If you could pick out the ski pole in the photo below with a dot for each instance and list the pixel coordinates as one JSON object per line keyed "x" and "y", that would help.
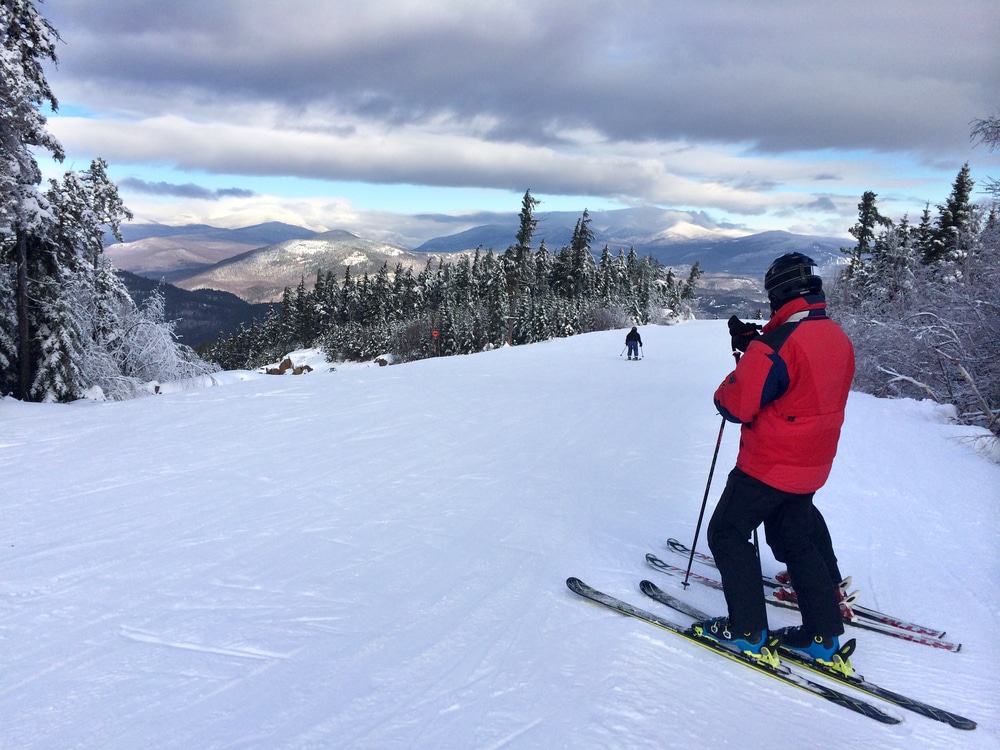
{"x": 704, "y": 501}
{"x": 623, "y": 350}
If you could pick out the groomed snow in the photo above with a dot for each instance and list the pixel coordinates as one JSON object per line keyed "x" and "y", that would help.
{"x": 375, "y": 557}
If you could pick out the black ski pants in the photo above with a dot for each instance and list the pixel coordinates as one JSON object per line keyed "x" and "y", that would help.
{"x": 798, "y": 537}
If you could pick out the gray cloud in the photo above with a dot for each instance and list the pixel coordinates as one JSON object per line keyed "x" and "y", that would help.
{"x": 188, "y": 190}
{"x": 780, "y": 76}
{"x": 475, "y": 218}
{"x": 822, "y": 204}
{"x": 697, "y": 103}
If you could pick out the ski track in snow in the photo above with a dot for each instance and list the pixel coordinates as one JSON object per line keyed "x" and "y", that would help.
{"x": 376, "y": 558}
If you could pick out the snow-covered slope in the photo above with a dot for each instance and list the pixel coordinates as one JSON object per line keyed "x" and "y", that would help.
{"x": 375, "y": 557}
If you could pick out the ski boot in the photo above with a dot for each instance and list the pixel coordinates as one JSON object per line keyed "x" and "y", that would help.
{"x": 825, "y": 650}
{"x": 758, "y": 645}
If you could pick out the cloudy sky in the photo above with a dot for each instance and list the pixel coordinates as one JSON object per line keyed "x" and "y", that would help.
{"x": 404, "y": 119}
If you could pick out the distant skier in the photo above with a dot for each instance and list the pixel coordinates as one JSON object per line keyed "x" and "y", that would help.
{"x": 633, "y": 341}
{"x": 789, "y": 392}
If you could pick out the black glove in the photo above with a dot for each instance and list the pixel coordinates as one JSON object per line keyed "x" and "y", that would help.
{"x": 742, "y": 333}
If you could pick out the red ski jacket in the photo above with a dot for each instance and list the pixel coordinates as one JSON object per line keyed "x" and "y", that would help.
{"x": 789, "y": 392}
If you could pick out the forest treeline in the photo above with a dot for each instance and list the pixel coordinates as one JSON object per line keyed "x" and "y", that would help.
{"x": 473, "y": 302}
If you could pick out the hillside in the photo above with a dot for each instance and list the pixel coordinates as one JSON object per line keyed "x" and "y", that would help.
{"x": 261, "y": 275}
{"x": 375, "y": 557}
{"x": 200, "y": 316}
{"x": 167, "y": 253}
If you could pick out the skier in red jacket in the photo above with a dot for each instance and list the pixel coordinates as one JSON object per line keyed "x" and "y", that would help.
{"x": 788, "y": 392}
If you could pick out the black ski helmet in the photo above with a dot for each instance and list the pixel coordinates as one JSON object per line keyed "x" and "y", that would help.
{"x": 790, "y": 276}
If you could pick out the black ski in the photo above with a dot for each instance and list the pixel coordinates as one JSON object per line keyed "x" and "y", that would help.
{"x": 876, "y": 627}
{"x": 782, "y": 672}
{"x": 854, "y": 680}
{"x": 859, "y": 610}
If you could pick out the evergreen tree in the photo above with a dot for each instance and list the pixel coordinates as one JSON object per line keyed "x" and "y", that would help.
{"x": 493, "y": 298}
{"x": 304, "y": 331}
{"x": 69, "y": 324}
{"x": 527, "y": 225}
{"x": 348, "y": 300}
{"x": 543, "y": 268}
{"x": 28, "y": 43}
{"x": 924, "y": 233}
{"x": 870, "y": 221}
{"x": 404, "y": 290}
{"x": 582, "y": 265}
{"x": 518, "y": 261}
{"x": 380, "y": 308}
{"x": 289, "y": 320}
{"x": 8, "y": 328}
{"x": 606, "y": 284}
{"x": 953, "y": 231}
{"x": 895, "y": 265}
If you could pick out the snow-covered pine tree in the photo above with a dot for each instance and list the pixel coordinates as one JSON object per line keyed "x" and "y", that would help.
{"x": 870, "y": 223}
{"x": 490, "y": 290}
{"x": 28, "y": 43}
{"x": 65, "y": 318}
{"x": 953, "y": 231}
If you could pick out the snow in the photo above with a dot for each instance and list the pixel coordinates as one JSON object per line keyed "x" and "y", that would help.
{"x": 375, "y": 557}
{"x": 686, "y": 230}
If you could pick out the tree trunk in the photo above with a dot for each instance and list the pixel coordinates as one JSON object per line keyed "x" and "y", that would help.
{"x": 23, "y": 329}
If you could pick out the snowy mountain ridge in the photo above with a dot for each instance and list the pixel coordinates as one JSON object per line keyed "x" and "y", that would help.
{"x": 259, "y": 273}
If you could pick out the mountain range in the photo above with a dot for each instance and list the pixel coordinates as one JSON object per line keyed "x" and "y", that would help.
{"x": 257, "y": 263}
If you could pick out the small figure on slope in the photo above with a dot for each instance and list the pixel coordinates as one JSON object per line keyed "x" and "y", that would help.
{"x": 788, "y": 391}
{"x": 633, "y": 341}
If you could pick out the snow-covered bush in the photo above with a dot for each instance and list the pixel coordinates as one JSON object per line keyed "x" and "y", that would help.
{"x": 924, "y": 317}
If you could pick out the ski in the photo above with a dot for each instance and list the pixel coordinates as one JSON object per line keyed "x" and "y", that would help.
{"x": 876, "y": 627}
{"x": 854, "y": 680}
{"x": 860, "y": 611}
{"x": 782, "y": 672}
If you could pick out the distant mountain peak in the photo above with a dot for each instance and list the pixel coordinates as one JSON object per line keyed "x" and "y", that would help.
{"x": 336, "y": 235}
{"x": 686, "y": 230}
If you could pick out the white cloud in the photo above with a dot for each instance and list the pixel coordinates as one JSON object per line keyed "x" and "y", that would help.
{"x": 693, "y": 175}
